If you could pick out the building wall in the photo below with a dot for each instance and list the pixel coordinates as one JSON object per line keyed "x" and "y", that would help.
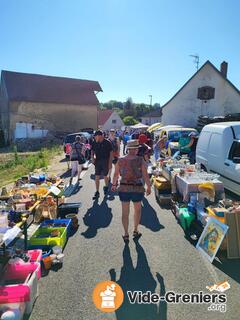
{"x": 185, "y": 108}
{"x": 109, "y": 123}
{"x": 56, "y": 118}
{"x": 150, "y": 120}
{"x": 4, "y": 112}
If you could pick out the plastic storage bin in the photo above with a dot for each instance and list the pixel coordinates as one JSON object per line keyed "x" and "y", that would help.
{"x": 23, "y": 288}
{"x": 36, "y": 238}
{"x": 58, "y": 223}
{"x": 22, "y": 269}
{"x": 185, "y": 218}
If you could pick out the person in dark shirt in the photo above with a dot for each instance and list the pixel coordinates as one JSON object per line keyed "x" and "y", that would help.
{"x": 102, "y": 155}
{"x": 193, "y": 145}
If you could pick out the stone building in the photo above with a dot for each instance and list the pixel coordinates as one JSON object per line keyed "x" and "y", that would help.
{"x": 109, "y": 119}
{"x": 208, "y": 92}
{"x": 152, "y": 117}
{"x": 33, "y": 106}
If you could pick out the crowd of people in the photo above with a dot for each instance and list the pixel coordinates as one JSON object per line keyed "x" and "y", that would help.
{"x": 130, "y": 177}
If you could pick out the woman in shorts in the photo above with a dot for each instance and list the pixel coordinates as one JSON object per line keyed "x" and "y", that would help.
{"x": 133, "y": 171}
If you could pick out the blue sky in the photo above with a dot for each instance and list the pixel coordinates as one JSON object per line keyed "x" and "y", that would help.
{"x": 132, "y": 47}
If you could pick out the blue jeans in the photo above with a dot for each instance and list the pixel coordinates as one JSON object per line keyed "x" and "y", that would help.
{"x": 156, "y": 152}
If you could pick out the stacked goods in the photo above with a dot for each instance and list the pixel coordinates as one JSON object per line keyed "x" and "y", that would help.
{"x": 19, "y": 284}
{"x": 204, "y": 120}
{"x": 162, "y": 189}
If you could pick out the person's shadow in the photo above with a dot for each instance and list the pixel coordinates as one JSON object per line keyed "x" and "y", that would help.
{"x": 139, "y": 278}
{"x": 98, "y": 216}
{"x": 149, "y": 217}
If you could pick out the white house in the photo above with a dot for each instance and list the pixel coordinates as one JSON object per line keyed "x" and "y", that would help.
{"x": 208, "y": 92}
{"x": 152, "y": 117}
{"x": 109, "y": 119}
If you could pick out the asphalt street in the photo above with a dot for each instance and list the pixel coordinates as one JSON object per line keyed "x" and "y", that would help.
{"x": 162, "y": 260}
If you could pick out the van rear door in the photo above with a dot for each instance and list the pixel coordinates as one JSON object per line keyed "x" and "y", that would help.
{"x": 232, "y": 168}
{"x": 215, "y": 153}
{"x": 202, "y": 149}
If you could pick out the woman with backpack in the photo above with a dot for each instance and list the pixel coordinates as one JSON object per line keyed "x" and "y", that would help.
{"x": 77, "y": 157}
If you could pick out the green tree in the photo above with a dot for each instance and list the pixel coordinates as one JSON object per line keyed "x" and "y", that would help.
{"x": 129, "y": 108}
{"x": 129, "y": 120}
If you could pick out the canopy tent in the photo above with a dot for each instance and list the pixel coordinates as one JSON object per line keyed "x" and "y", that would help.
{"x": 154, "y": 127}
{"x": 139, "y": 126}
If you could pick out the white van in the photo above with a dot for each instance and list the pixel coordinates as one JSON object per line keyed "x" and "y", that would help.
{"x": 218, "y": 151}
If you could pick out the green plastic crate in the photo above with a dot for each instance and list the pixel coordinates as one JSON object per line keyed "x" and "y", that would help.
{"x": 186, "y": 218}
{"x": 54, "y": 241}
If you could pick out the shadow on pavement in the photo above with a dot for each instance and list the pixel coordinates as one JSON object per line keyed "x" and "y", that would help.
{"x": 66, "y": 174}
{"x": 139, "y": 278}
{"x": 72, "y": 189}
{"x": 149, "y": 217}
{"x": 230, "y": 267}
{"x": 98, "y": 216}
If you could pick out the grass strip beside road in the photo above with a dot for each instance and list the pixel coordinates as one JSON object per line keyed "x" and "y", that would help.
{"x": 21, "y": 165}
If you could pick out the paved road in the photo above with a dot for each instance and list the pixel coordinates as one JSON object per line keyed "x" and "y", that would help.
{"x": 163, "y": 260}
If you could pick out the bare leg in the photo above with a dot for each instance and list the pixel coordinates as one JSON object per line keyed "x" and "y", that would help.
{"x": 137, "y": 214}
{"x": 125, "y": 216}
{"x": 97, "y": 178}
{"x": 79, "y": 170}
{"x": 106, "y": 179}
{"x": 109, "y": 174}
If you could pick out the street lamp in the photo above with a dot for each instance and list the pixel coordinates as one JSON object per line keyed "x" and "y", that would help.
{"x": 150, "y": 99}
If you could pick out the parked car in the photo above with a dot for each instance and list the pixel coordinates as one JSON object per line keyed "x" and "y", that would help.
{"x": 173, "y": 135}
{"x": 218, "y": 151}
{"x": 158, "y": 131}
{"x": 70, "y": 138}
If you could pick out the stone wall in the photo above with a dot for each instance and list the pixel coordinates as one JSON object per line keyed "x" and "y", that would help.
{"x": 56, "y": 118}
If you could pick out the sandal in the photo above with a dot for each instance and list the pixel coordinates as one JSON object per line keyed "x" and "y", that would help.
{"x": 136, "y": 234}
{"x": 125, "y": 238}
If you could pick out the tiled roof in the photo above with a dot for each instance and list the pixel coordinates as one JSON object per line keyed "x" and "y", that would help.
{"x": 41, "y": 88}
{"x": 103, "y": 116}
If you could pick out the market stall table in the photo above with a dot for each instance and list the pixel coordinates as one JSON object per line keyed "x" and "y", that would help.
{"x": 185, "y": 186}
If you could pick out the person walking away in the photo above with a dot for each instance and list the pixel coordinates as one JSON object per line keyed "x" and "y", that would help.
{"x": 68, "y": 150}
{"x": 156, "y": 149}
{"x": 133, "y": 171}
{"x": 116, "y": 149}
{"x": 77, "y": 157}
{"x": 144, "y": 149}
{"x": 126, "y": 137}
{"x": 102, "y": 155}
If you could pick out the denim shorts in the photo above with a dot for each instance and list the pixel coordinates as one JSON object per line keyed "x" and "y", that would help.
{"x": 131, "y": 196}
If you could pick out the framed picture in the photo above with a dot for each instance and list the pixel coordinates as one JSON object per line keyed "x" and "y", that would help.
{"x": 211, "y": 238}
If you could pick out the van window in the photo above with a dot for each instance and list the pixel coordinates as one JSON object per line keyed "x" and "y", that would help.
{"x": 234, "y": 153}
{"x": 215, "y": 144}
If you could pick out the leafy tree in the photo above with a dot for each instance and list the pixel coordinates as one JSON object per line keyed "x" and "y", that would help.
{"x": 129, "y": 120}
{"x": 129, "y": 108}
{"x": 156, "y": 106}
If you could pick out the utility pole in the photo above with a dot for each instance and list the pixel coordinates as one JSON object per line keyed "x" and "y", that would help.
{"x": 150, "y": 100}
{"x": 196, "y": 59}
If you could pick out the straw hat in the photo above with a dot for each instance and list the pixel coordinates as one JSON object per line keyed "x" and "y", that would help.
{"x": 133, "y": 144}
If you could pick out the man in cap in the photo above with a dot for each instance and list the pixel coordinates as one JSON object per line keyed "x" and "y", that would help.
{"x": 102, "y": 155}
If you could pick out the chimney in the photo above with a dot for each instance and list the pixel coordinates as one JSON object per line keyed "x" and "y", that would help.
{"x": 224, "y": 67}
